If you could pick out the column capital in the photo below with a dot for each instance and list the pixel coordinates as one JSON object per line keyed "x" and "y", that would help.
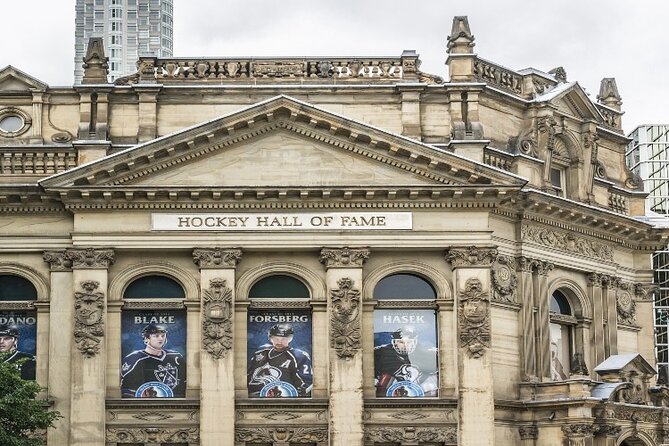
{"x": 471, "y": 256}
{"x": 578, "y": 430}
{"x": 57, "y": 260}
{"x": 608, "y": 430}
{"x": 90, "y": 258}
{"x": 529, "y": 265}
{"x": 530, "y": 432}
{"x": 217, "y": 258}
{"x": 343, "y": 257}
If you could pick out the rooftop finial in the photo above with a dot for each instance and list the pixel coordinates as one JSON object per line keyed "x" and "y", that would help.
{"x": 95, "y": 63}
{"x": 461, "y": 39}
{"x": 608, "y": 93}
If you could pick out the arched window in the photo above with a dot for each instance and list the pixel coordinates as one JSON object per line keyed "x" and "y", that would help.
{"x": 406, "y": 362}
{"x": 562, "y": 322}
{"x": 279, "y": 339}
{"x": 18, "y": 327}
{"x": 153, "y": 340}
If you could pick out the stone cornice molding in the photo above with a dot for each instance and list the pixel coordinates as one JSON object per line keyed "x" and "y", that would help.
{"x": 471, "y": 256}
{"x": 343, "y": 257}
{"x": 122, "y": 435}
{"x": 90, "y": 258}
{"x": 290, "y": 435}
{"x": 217, "y": 258}
{"x": 411, "y": 435}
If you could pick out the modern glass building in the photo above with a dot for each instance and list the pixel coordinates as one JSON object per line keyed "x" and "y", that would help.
{"x": 130, "y": 28}
{"x": 647, "y": 155}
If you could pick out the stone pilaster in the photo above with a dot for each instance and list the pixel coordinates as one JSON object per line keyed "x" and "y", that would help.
{"x": 148, "y": 111}
{"x": 217, "y": 395}
{"x": 543, "y": 320}
{"x": 616, "y": 294}
{"x": 607, "y": 435}
{"x": 476, "y": 406}
{"x": 344, "y": 282}
{"x": 527, "y": 322}
{"x": 62, "y": 315}
{"x": 89, "y": 353}
{"x": 579, "y": 434}
{"x": 596, "y": 295}
{"x": 411, "y": 118}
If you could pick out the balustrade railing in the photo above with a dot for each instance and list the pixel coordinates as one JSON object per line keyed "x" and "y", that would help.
{"x": 618, "y": 203}
{"x": 31, "y": 162}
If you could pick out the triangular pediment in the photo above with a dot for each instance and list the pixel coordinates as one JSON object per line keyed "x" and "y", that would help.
{"x": 571, "y": 99}
{"x": 282, "y": 143}
{"x": 13, "y": 79}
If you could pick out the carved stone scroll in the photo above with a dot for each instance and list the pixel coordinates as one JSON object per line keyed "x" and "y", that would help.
{"x": 208, "y": 258}
{"x": 343, "y": 258}
{"x": 57, "y": 260}
{"x": 504, "y": 280}
{"x": 474, "y": 319}
{"x": 281, "y": 434}
{"x": 345, "y": 319}
{"x": 471, "y": 256}
{"x": 90, "y": 258}
{"x": 432, "y": 434}
{"x": 217, "y": 318}
{"x": 89, "y": 329}
{"x": 120, "y": 435}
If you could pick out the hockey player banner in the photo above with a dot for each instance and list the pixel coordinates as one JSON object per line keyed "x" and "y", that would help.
{"x": 18, "y": 336}
{"x": 279, "y": 354}
{"x": 153, "y": 349}
{"x": 406, "y": 361}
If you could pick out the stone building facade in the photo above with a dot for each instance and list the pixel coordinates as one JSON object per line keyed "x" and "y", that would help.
{"x": 458, "y": 260}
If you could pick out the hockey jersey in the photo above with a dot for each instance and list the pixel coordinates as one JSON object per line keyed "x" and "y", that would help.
{"x": 269, "y": 366}
{"x": 147, "y": 376}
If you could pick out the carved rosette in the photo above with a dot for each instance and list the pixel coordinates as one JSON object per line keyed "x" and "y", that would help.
{"x": 578, "y": 430}
{"x": 504, "y": 280}
{"x": 345, "y": 319}
{"x": 89, "y": 307}
{"x": 471, "y": 256}
{"x": 281, "y": 434}
{"x": 625, "y": 306}
{"x": 432, "y": 434}
{"x": 90, "y": 258}
{"x": 120, "y": 435}
{"x": 57, "y": 260}
{"x": 474, "y": 319}
{"x": 215, "y": 258}
{"x": 528, "y": 432}
{"x": 217, "y": 318}
{"x": 343, "y": 257}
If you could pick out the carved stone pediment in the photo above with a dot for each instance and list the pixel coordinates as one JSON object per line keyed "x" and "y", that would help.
{"x": 13, "y": 79}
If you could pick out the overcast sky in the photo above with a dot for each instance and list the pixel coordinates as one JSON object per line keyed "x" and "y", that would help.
{"x": 591, "y": 39}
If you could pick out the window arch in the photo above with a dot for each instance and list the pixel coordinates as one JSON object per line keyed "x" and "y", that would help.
{"x": 404, "y": 286}
{"x": 279, "y": 286}
{"x": 154, "y": 287}
{"x": 562, "y": 323}
{"x": 18, "y": 327}
{"x": 13, "y": 288}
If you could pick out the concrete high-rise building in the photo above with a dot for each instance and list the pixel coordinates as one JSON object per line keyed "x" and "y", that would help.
{"x": 130, "y": 28}
{"x": 647, "y": 155}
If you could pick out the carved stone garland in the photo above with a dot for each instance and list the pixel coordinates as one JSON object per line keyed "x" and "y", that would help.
{"x": 89, "y": 327}
{"x": 153, "y": 435}
{"x": 343, "y": 257}
{"x": 284, "y": 435}
{"x": 444, "y": 435}
{"x": 217, "y": 318}
{"x": 504, "y": 280}
{"x": 345, "y": 319}
{"x": 474, "y": 319}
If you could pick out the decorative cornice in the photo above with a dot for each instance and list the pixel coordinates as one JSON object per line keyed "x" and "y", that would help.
{"x": 345, "y": 326}
{"x": 90, "y": 258}
{"x": 217, "y": 318}
{"x": 89, "y": 326}
{"x": 216, "y": 258}
{"x": 343, "y": 257}
{"x": 472, "y": 256}
{"x": 122, "y": 435}
{"x": 474, "y": 319}
{"x": 402, "y": 435}
{"x": 58, "y": 260}
{"x": 281, "y": 434}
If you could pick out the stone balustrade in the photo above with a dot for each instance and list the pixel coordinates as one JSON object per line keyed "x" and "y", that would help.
{"x": 497, "y": 159}
{"x": 618, "y": 203}
{"x": 21, "y": 161}
{"x": 498, "y": 76}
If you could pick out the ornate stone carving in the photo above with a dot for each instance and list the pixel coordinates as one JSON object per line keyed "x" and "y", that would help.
{"x": 560, "y": 74}
{"x": 578, "y": 430}
{"x": 608, "y": 430}
{"x": 58, "y": 260}
{"x": 152, "y": 416}
{"x": 343, "y": 258}
{"x": 578, "y": 366}
{"x": 546, "y": 126}
{"x": 211, "y": 258}
{"x": 95, "y": 64}
{"x": 281, "y": 415}
{"x": 345, "y": 319}
{"x": 153, "y": 435}
{"x": 292, "y": 435}
{"x": 528, "y": 432}
{"x": 504, "y": 279}
{"x": 644, "y": 291}
{"x": 217, "y": 318}
{"x": 387, "y": 434}
{"x": 630, "y": 413}
{"x": 474, "y": 319}
{"x": 471, "y": 256}
{"x": 566, "y": 241}
{"x": 89, "y": 307}
{"x": 625, "y": 306}
{"x": 90, "y": 258}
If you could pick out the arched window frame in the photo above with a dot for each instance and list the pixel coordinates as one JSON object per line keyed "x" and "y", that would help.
{"x": 574, "y": 324}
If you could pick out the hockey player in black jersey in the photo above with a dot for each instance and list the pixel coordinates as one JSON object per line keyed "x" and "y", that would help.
{"x": 154, "y": 372}
{"x": 403, "y": 368}
{"x": 279, "y": 370}
{"x": 9, "y": 352}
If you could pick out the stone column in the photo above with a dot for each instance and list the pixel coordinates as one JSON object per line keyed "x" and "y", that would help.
{"x": 578, "y": 434}
{"x": 542, "y": 301}
{"x": 217, "y": 394}
{"x": 344, "y": 282}
{"x": 615, "y": 292}
{"x": 62, "y": 315}
{"x": 476, "y": 407}
{"x": 89, "y": 353}
{"x": 598, "y": 316}
{"x": 527, "y": 326}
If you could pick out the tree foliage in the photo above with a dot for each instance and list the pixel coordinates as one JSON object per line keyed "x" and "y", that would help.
{"x": 22, "y": 415}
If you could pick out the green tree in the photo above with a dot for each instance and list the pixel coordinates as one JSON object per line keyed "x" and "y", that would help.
{"x": 22, "y": 415}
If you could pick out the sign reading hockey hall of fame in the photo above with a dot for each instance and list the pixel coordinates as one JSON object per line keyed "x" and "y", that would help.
{"x": 153, "y": 349}
{"x": 406, "y": 361}
{"x": 279, "y": 354}
{"x": 18, "y": 334}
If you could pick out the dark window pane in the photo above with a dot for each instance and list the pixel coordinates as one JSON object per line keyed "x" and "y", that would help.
{"x": 154, "y": 287}
{"x": 559, "y": 303}
{"x": 16, "y": 288}
{"x": 404, "y": 286}
{"x": 280, "y": 287}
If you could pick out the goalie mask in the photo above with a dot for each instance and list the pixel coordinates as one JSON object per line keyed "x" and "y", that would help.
{"x": 404, "y": 340}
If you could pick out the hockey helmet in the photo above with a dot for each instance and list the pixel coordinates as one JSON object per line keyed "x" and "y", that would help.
{"x": 9, "y": 330}
{"x": 404, "y": 340}
{"x": 153, "y": 329}
{"x": 283, "y": 330}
